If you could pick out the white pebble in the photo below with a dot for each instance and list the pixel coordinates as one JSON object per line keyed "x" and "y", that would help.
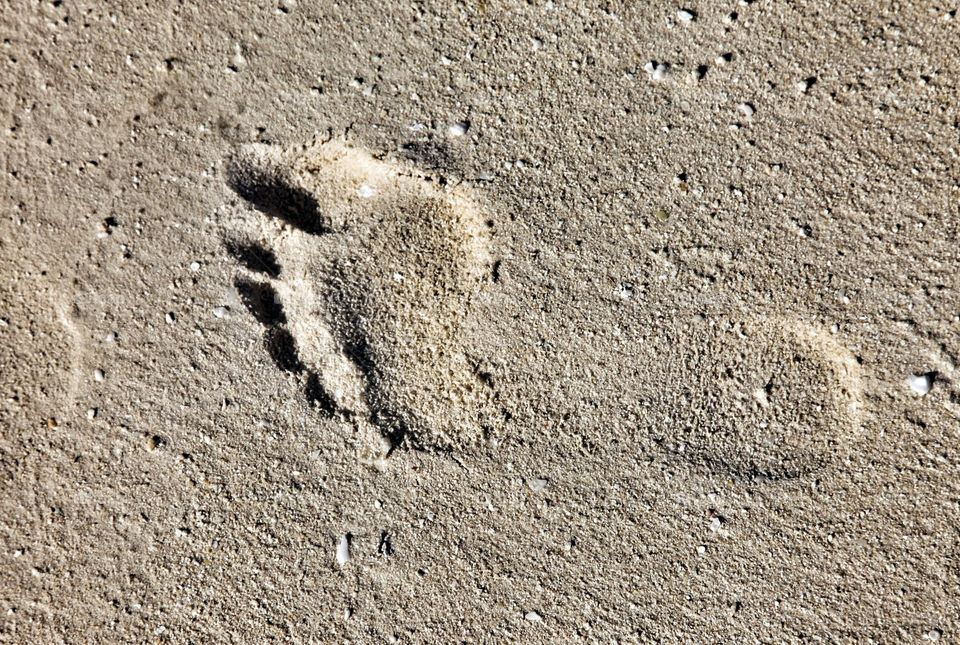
{"x": 110, "y": 338}
{"x": 194, "y": 266}
{"x": 715, "y": 524}
{"x": 537, "y": 485}
{"x": 458, "y": 129}
{"x": 366, "y": 191}
{"x": 343, "y": 549}
{"x": 701, "y": 549}
{"x": 920, "y": 383}
{"x": 746, "y": 109}
{"x": 92, "y": 413}
{"x": 98, "y": 375}
{"x": 221, "y": 312}
{"x": 533, "y": 617}
{"x": 657, "y": 71}
{"x": 805, "y": 85}
{"x": 687, "y": 16}
{"x": 170, "y": 317}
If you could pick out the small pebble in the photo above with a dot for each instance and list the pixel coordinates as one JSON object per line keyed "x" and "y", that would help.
{"x": 920, "y": 383}
{"x": 110, "y": 338}
{"x": 687, "y": 16}
{"x": 537, "y": 485}
{"x": 533, "y": 617}
{"x": 458, "y": 129}
{"x": 746, "y": 109}
{"x": 805, "y": 85}
{"x": 343, "y": 549}
{"x": 657, "y": 71}
{"x": 92, "y": 413}
{"x": 194, "y": 266}
{"x": 701, "y": 549}
{"x": 170, "y": 317}
{"x": 366, "y": 191}
{"x": 221, "y": 312}
{"x": 98, "y": 375}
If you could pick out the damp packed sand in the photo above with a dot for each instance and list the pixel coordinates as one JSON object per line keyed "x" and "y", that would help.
{"x": 479, "y": 322}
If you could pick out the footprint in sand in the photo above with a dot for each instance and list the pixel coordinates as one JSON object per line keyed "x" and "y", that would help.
{"x": 758, "y": 397}
{"x": 366, "y": 288}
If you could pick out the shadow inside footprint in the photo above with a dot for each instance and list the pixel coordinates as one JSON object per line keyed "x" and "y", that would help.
{"x": 254, "y": 257}
{"x": 282, "y": 347}
{"x": 267, "y": 189}
{"x": 261, "y": 300}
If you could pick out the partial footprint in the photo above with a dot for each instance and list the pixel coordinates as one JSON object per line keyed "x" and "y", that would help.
{"x": 367, "y": 288}
{"x": 758, "y": 397}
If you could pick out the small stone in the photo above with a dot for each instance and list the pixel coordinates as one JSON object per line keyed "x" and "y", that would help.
{"x": 686, "y": 16}
{"x": 92, "y": 413}
{"x": 533, "y": 617}
{"x": 715, "y": 524}
{"x": 343, "y": 549}
{"x": 805, "y": 85}
{"x": 52, "y": 422}
{"x": 746, "y": 109}
{"x": 366, "y": 191}
{"x": 537, "y": 485}
{"x": 458, "y": 129}
{"x": 170, "y": 317}
{"x": 194, "y": 266}
{"x": 98, "y": 375}
{"x": 921, "y": 383}
{"x": 661, "y": 214}
{"x": 221, "y": 312}
{"x": 701, "y": 549}
{"x": 657, "y": 71}
{"x": 110, "y": 338}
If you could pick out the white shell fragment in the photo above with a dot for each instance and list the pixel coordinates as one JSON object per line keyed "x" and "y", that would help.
{"x": 343, "y": 549}
{"x": 920, "y": 383}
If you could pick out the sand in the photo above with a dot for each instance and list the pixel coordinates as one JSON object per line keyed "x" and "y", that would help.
{"x": 479, "y": 322}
